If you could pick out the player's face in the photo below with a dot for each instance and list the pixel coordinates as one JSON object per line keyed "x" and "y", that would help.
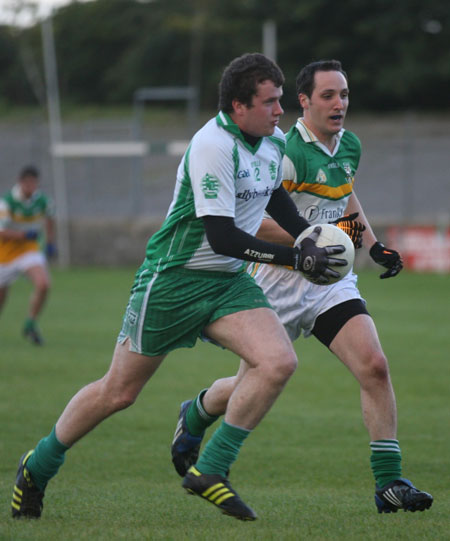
{"x": 264, "y": 114}
{"x": 324, "y": 112}
{"x": 28, "y": 185}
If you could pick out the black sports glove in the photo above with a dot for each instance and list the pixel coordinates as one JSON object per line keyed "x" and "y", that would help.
{"x": 387, "y": 258}
{"x": 313, "y": 261}
{"x": 352, "y": 227}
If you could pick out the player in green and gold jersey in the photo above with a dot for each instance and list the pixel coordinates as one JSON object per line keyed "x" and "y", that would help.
{"x": 26, "y": 220}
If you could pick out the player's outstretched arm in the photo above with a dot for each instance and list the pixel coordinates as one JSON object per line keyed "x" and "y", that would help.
{"x": 388, "y": 258}
{"x": 227, "y": 239}
{"x": 353, "y": 207}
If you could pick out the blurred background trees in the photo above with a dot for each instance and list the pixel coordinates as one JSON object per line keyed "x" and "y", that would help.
{"x": 397, "y": 54}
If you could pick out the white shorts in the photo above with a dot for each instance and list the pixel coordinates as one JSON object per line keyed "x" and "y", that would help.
{"x": 298, "y": 302}
{"x": 9, "y": 272}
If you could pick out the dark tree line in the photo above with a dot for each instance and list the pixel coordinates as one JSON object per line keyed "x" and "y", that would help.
{"x": 397, "y": 54}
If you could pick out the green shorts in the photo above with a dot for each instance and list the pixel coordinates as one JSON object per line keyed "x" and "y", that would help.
{"x": 169, "y": 310}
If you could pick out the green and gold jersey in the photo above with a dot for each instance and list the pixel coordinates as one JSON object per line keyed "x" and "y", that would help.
{"x": 219, "y": 175}
{"x": 22, "y": 214}
{"x": 319, "y": 181}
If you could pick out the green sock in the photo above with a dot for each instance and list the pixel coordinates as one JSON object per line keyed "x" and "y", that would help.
{"x": 30, "y": 323}
{"x": 222, "y": 449}
{"x": 197, "y": 419}
{"x": 386, "y": 461}
{"x": 44, "y": 463}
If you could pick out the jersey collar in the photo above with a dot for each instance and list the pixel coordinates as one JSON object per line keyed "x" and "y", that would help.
{"x": 309, "y": 137}
{"x": 225, "y": 121}
{"x": 16, "y": 192}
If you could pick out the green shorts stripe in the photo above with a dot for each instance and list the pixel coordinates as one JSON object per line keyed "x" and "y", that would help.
{"x": 169, "y": 310}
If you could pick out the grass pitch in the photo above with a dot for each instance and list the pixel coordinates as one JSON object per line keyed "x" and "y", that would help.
{"x": 305, "y": 469}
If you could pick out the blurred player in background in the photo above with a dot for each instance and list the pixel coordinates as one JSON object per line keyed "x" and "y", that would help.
{"x": 318, "y": 172}
{"x": 192, "y": 282}
{"x": 26, "y": 221}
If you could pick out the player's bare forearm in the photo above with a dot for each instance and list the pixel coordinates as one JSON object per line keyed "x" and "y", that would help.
{"x": 270, "y": 231}
{"x": 354, "y": 205}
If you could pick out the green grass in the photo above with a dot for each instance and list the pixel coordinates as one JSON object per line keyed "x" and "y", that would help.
{"x": 305, "y": 470}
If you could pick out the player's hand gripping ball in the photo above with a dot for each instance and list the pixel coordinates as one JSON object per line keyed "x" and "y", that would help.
{"x": 331, "y": 235}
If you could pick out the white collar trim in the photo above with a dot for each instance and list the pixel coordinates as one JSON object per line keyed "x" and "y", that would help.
{"x": 309, "y": 137}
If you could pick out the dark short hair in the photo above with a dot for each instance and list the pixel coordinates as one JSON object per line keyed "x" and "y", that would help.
{"x": 305, "y": 79}
{"x": 29, "y": 171}
{"x": 241, "y": 77}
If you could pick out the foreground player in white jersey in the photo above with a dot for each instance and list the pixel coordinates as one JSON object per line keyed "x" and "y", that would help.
{"x": 318, "y": 171}
{"x": 192, "y": 283}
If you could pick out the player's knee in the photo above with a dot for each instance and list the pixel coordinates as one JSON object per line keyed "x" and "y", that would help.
{"x": 42, "y": 286}
{"x": 281, "y": 369}
{"x": 115, "y": 399}
{"x": 290, "y": 363}
{"x": 122, "y": 401}
{"x": 377, "y": 367}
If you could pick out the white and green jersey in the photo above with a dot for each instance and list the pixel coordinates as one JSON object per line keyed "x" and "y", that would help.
{"x": 219, "y": 175}
{"x": 319, "y": 181}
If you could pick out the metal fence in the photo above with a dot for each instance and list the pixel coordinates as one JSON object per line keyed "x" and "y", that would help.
{"x": 403, "y": 176}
